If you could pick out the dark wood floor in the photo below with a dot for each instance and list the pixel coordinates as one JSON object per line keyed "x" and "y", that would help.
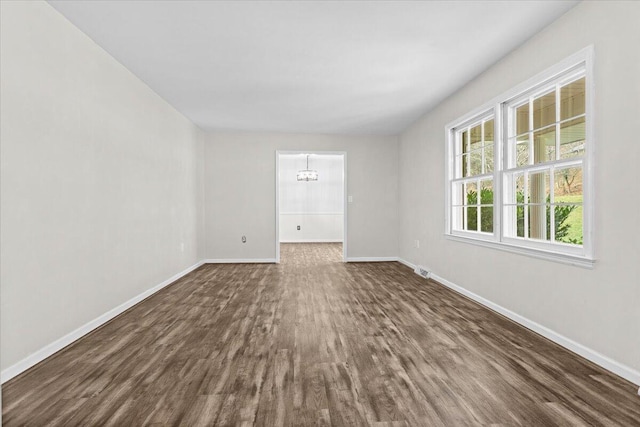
{"x": 315, "y": 341}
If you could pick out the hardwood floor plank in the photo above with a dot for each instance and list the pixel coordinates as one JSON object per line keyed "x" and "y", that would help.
{"x": 315, "y": 341}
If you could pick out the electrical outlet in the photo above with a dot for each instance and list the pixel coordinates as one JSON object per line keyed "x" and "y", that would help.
{"x": 298, "y": 227}
{"x": 416, "y": 243}
{"x": 350, "y": 199}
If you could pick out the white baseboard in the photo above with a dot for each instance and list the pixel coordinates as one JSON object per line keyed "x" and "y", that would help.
{"x": 240, "y": 261}
{"x": 407, "y": 263}
{"x": 607, "y": 363}
{"x": 372, "y": 259}
{"x": 312, "y": 241}
{"x": 60, "y": 343}
{"x": 618, "y": 368}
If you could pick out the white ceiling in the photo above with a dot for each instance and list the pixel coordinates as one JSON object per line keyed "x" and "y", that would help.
{"x": 315, "y": 67}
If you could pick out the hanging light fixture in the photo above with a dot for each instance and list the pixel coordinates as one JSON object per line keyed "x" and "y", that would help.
{"x": 307, "y": 174}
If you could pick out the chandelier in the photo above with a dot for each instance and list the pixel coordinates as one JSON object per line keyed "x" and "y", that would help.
{"x": 307, "y": 174}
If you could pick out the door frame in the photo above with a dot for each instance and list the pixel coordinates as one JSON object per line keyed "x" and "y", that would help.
{"x": 344, "y": 201}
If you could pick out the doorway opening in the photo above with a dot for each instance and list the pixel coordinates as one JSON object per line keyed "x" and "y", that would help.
{"x": 311, "y": 188}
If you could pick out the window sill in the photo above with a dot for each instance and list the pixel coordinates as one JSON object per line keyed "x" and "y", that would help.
{"x": 564, "y": 258}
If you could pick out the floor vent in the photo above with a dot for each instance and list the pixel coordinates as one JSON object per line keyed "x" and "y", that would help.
{"x": 421, "y": 271}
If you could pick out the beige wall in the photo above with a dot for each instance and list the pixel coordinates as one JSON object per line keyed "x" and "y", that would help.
{"x": 101, "y": 197}
{"x": 240, "y": 192}
{"x": 597, "y": 308}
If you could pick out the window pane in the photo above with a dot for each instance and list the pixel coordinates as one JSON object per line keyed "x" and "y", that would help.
{"x": 539, "y": 187}
{"x": 486, "y": 219}
{"x": 544, "y": 145}
{"x": 476, "y": 162}
{"x": 568, "y": 198}
{"x": 515, "y": 188}
{"x": 522, "y": 119}
{"x": 572, "y": 135}
{"x": 472, "y": 218}
{"x": 572, "y": 99}
{"x": 465, "y": 165}
{"x": 488, "y": 131}
{"x": 522, "y": 150}
{"x": 567, "y": 185}
{"x": 568, "y": 221}
{"x": 516, "y": 215}
{"x": 488, "y": 158}
{"x": 538, "y": 222}
{"x": 519, "y": 188}
{"x": 544, "y": 110}
{"x": 464, "y": 142}
{"x": 476, "y": 135}
{"x": 471, "y": 193}
{"x": 475, "y": 146}
{"x": 486, "y": 192}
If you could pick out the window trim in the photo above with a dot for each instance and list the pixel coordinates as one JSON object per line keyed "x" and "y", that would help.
{"x": 574, "y": 255}
{"x": 479, "y": 118}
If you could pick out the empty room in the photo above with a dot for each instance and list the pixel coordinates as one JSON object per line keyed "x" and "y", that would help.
{"x": 385, "y": 213}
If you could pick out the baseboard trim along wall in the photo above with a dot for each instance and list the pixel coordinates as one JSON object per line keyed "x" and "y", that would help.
{"x": 37, "y": 357}
{"x": 312, "y": 241}
{"x": 607, "y": 363}
{"x": 240, "y": 261}
{"x": 407, "y": 263}
{"x": 372, "y": 259}
{"x": 617, "y": 368}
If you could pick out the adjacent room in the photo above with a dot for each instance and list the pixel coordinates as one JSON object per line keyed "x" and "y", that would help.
{"x": 276, "y": 213}
{"x": 310, "y": 204}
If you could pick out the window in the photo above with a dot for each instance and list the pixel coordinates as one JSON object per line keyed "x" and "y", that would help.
{"x": 472, "y": 186}
{"x": 518, "y": 168}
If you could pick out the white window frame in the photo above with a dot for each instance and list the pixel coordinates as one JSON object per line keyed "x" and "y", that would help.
{"x": 582, "y": 256}
{"x": 475, "y": 120}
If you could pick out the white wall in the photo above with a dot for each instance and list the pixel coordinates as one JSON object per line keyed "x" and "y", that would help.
{"x": 317, "y": 207}
{"x": 101, "y": 193}
{"x": 597, "y": 308}
{"x": 239, "y": 203}
{"x": 314, "y": 227}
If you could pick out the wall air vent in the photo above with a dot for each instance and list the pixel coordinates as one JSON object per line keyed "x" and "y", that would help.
{"x": 421, "y": 271}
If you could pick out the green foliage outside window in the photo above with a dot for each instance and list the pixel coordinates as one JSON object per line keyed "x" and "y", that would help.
{"x": 486, "y": 215}
{"x": 561, "y": 213}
